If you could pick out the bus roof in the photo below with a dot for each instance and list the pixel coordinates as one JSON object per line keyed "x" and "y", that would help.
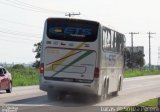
{"x": 77, "y": 19}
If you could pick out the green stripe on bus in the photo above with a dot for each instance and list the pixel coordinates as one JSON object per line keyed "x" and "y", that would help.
{"x": 73, "y": 62}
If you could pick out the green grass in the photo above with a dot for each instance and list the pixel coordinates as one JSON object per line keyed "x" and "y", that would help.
{"x": 141, "y": 72}
{"x": 24, "y": 76}
{"x": 30, "y": 76}
{"x": 151, "y": 104}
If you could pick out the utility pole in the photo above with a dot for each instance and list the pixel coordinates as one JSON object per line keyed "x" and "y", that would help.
{"x": 69, "y": 14}
{"x": 132, "y": 33}
{"x": 149, "y": 35}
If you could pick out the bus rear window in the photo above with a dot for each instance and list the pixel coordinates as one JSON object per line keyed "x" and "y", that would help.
{"x": 72, "y": 30}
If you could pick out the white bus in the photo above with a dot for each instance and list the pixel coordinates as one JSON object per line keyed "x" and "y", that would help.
{"x": 81, "y": 56}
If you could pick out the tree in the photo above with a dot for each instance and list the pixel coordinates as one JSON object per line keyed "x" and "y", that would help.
{"x": 18, "y": 66}
{"x": 136, "y": 60}
{"x": 127, "y": 58}
{"x": 37, "y": 50}
{"x": 140, "y": 59}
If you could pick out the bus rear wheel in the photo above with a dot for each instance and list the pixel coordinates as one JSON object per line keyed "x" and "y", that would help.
{"x": 118, "y": 89}
{"x": 104, "y": 94}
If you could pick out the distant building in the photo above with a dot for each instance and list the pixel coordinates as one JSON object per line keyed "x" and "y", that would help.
{"x": 136, "y": 49}
{"x": 136, "y": 59}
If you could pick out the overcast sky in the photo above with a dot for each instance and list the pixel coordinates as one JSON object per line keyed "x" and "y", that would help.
{"x": 22, "y": 21}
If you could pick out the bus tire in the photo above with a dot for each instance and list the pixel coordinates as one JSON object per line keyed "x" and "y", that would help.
{"x": 118, "y": 89}
{"x": 104, "y": 93}
{"x": 106, "y": 89}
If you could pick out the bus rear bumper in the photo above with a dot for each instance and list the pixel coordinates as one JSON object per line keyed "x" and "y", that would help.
{"x": 49, "y": 85}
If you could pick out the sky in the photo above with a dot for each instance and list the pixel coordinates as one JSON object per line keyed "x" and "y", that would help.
{"x": 22, "y": 22}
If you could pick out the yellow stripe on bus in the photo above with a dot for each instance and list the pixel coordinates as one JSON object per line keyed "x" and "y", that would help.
{"x": 57, "y": 63}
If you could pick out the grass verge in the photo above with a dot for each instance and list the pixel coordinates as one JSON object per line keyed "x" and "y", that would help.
{"x": 152, "y": 105}
{"x": 24, "y": 76}
{"x": 151, "y": 102}
{"x": 30, "y": 76}
{"x": 141, "y": 72}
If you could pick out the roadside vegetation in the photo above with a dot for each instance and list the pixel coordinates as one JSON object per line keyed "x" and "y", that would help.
{"x": 24, "y": 76}
{"x": 151, "y": 105}
{"x": 140, "y": 72}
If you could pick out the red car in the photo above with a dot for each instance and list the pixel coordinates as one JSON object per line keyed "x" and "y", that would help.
{"x": 5, "y": 80}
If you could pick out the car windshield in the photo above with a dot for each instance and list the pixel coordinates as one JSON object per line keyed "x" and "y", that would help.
{"x": 1, "y": 71}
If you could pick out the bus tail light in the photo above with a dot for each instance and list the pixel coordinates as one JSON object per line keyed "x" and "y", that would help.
{"x": 96, "y": 73}
{"x": 42, "y": 68}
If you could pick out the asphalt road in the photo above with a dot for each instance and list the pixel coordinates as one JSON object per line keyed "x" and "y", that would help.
{"x": 31, "y": 99}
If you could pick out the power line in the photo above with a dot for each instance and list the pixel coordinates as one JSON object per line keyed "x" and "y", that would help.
{"x": 13, "y": 42}
{"x": 11, "y": 33}
{"x": 26, "y": 6}
{"x": 12, "y": 37}
{"x": 21, "y": 38}
{"x": 19, "y": 57}
{"x": 8, "y": 21}
{"x": 40, "y": 8}
{"x": 8, "y": 4}
{"x": 19, "y": 33}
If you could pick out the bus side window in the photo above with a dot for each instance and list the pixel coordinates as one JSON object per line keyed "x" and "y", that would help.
{"x": 120, "y": 49}
{"x": 114, "y": 42}
{"x": 104, "y": 40}
{"x": 122, "y": 42}
{"x": 109, "y": 40}
{"x": 118, "y": 43}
